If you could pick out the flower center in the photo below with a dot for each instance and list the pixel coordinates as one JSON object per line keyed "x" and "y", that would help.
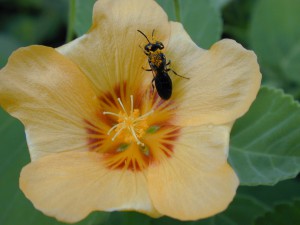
{"x": 132, "y": 135}
{"x": 131, "y": 126}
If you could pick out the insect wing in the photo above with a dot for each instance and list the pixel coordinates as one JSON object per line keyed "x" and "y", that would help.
{"x": 163, "y": 84}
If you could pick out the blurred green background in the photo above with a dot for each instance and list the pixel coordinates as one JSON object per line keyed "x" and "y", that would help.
{"x": 27, "y": 22}
{"x": 269, "y": 27}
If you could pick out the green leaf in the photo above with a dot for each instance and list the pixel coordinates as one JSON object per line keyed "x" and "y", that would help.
{"x": 243, "y": 210}
{"x": 83, "y": 16}
{"x": 290, "y": 64}
{"x": 14, "y": 207}
{"x": 272, "y": 195}
{"x": 265, "y": 142}
{"x": 283, "y": 214}
{"x": 275, "y": 37}
{"x": 219, "y": 4}
{"x": 201, "y": 19}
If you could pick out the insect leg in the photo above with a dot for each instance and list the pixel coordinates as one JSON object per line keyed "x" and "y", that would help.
{"x": 146, "y": 69}
{"x": 153, "y": 87}
{"x": 146, "y": 53}
{"x": 168, "y": 69}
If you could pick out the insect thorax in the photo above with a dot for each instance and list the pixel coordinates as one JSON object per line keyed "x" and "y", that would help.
{"x": 157, "y": 59}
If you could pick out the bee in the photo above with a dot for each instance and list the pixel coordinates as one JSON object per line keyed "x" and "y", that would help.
{"x": 159, "y": 67}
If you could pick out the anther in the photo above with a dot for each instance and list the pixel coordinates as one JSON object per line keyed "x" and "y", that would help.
{"x": 127, "y": 121}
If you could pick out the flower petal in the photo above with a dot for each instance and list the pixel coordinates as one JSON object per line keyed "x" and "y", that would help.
{"x": 223, "y": 83}
{"x": 51, "y": 96}
{"x": 69, "y": 186}
{"x": 196, "y": 182}
{"x": 109, "y": 53}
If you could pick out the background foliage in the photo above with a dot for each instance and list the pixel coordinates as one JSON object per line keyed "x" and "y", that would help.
{"x": 265, "y": 147}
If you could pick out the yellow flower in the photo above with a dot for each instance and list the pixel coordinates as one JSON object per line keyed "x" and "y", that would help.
{"x": 101, "y": 139}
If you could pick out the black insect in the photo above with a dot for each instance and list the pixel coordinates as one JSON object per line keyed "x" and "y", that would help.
{"x": 159, "y": 67}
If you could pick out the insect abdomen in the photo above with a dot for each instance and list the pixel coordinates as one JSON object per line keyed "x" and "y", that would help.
{"x": 163, "y": 84}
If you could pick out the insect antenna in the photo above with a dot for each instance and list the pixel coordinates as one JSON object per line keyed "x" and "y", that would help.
{"x": 153, "y": 34}
{"x": 144, "y": 35}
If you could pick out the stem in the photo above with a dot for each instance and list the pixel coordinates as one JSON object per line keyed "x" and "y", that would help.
{"x": 71, "y": 19}
{"x": 177, "y": 10}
